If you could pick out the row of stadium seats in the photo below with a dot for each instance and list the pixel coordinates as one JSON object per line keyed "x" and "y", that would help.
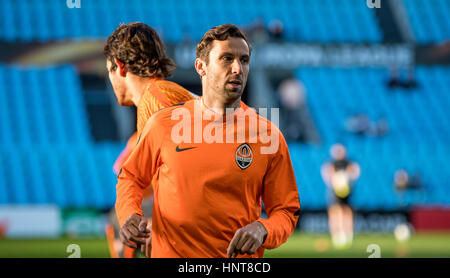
{"x": 42, "y": 106}
{"x": 417, "y": 139}
{"x": 77, "y": 177}
{"x": 375, "y": 188}
{"x": 429, "y": 19}
{"x": 306, "y": 20}
{"x": 71, "y": 171}
{"x": 418, "y": 115}
{"x": 81, "y": 177}
{"x": 47, "y": 154}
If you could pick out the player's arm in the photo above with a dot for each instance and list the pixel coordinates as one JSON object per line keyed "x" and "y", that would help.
{"x": 281, "y": 198}
{"x": 354, "y": 170}
{"x": 136, "y": 174}
{"x": 131, "y": 143}
{"x": 326, "y": 172}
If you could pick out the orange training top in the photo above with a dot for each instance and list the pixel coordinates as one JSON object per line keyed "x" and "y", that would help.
{"x": 204, "y": 192}
{"x": 158, "y": 94}
{"x": 131, "y": 143}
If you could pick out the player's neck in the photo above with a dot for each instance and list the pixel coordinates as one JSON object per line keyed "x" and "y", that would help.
{"x": 137, "y": 86}
{"x": 220, "y": 105}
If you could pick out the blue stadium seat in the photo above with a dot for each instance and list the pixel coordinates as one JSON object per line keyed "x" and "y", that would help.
{"x": 417, "y": 140}
{"x": 77, "y": 177}
{"x": 42, "y": 105}
{"x": 429, "y": 19}
{"x": 303, "y": 20}
{"x": 46, "y": 150}
{"x": 57, "y": 186}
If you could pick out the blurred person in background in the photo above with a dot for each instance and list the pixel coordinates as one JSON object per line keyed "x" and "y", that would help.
{"x": 292, "y": 98}
{"x": 396, "y": 82}
{"x": 358, "y": 124}
{"x": 137, "y": 67}
{"x": 404, "y": 182}
{"x": 257, "y": 32}
{"x": 275, "y": 28}
{"x": 340, "y": 175}
{"x": 361, "y": 124}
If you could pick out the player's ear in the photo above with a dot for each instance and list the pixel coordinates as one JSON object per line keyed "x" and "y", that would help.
{"x": 200, "y": 66}
{"x": 122, "y": 68}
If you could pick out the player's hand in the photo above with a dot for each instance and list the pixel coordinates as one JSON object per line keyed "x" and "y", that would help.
{"x": 147, "y": 247}
{"x": 247, "y": 240}
{"x": 134, "y": 230}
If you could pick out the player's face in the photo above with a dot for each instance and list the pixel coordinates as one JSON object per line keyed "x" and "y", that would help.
{"x": 339, "y": 152}
{"x": 228, "y": 67}
{"x": 118, "y": 84}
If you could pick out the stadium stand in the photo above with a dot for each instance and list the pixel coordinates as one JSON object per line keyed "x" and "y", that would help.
{"x": 47, "y": 154}
{"x": 46, "y": 150}
{"x": 36, "y": 160}
{"x": 43, "y": 106}
{"x": 309, "y": 20}
{"x": 429, "y": 19}
{"x": 75, "y": 177}
{"x": 417, "y": 139}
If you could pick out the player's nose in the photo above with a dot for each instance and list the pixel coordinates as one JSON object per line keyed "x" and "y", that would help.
{"x": 236, "y": 67}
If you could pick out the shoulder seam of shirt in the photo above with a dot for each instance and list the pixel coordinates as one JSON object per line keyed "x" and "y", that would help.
{"x": 177, "y": 104}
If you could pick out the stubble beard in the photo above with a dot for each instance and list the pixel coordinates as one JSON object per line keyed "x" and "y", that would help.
{"x": 232, "y": 93}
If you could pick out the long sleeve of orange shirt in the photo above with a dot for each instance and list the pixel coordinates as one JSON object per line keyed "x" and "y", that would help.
{"x": 281, "y": 203}
{"x": 135, "y": 178}
{"x": 202, "y": 195}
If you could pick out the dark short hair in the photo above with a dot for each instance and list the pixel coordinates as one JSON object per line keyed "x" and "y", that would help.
{"x": 221, "y": 33}
{"x": 139, "y": 47}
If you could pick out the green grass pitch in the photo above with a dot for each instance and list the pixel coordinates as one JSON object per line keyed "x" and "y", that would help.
{"x": 299, "y": 245}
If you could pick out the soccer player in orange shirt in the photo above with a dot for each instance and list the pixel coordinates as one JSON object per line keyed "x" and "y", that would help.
{"x": 137, "y": 65}
{"x": 208, "y": 191}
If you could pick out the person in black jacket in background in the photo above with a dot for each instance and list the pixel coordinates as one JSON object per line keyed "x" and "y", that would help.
{"x": 339, "y": 175}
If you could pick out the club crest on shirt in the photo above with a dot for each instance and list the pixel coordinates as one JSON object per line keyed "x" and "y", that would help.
{"x": 244, "y": 156}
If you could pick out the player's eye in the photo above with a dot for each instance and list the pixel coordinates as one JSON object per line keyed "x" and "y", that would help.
{"x": 227, "y": 58}
{"x": 244, "y": 60}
